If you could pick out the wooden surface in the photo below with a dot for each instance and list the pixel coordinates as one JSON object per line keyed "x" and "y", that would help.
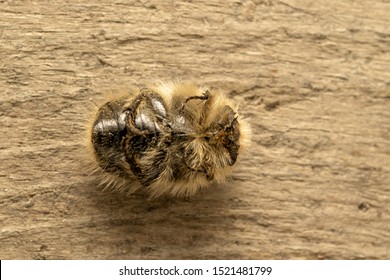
{"x": 313, "y": 77}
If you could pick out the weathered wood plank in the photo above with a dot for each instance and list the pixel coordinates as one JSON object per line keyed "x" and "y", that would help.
{"x": 313, "y": 76}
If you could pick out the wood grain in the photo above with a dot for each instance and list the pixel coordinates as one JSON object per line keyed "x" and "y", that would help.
{"x": 312, "y": 76}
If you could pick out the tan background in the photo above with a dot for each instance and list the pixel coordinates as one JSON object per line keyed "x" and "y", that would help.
{"x": 313, "y": 76}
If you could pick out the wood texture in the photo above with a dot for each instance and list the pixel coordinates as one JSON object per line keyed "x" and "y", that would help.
{"x": 313, "y": 77}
